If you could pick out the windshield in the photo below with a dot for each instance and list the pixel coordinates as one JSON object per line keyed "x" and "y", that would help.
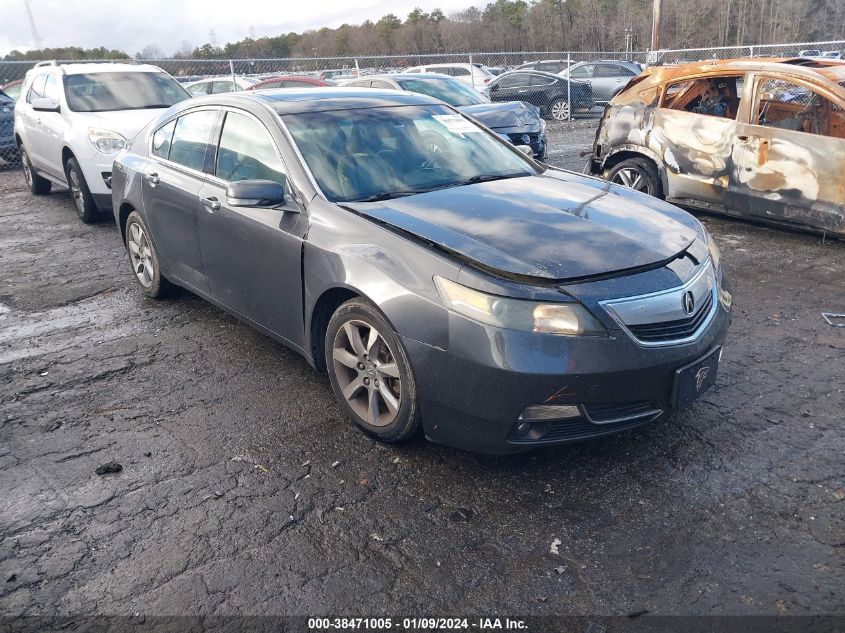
{"x": 380, "y": 153}
{"x": 455, "y": 93}
{"x": 104, "y": 92}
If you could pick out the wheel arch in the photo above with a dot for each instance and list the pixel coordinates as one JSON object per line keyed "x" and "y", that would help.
{"x": 123, "y": 214}
{"x": 617, "y": 155}
{"x": 325, "y": 306}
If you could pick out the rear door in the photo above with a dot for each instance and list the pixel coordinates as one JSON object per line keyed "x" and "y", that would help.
{"x": 608, "y": 79}
{"x": 252, "y": 255}
{"x": 179, "y": 157}
{"x": 513, "y": 87}
{"x": 790, "y": 156}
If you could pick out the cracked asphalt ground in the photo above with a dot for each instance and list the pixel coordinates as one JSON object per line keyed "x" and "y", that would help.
{"x": 245, "y": 491}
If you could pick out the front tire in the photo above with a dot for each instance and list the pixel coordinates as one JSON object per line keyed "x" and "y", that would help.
{"x": 37, "y": 185}
{"x": 370, "y": 373}
{"x": 143, "y": 258}
{"x": 83, "y": 201}
{"x": 638, "y": 174}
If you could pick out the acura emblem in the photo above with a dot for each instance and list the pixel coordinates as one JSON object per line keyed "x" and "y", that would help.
{"x": 689, "y": 302}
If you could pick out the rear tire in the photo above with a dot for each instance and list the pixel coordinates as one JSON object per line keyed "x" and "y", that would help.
{"x": 560, "y": 110}
{"x": 143, "y": 258}
{"x": 84, "y": 203}
{"x": 37, "y": 185}
{"x": 639, "y": 174}
{"x": 370, "y": 373}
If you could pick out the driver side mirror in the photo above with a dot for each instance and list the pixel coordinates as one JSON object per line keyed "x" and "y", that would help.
{"x": 256, "y": 193}
{"x": 45, "y": 104}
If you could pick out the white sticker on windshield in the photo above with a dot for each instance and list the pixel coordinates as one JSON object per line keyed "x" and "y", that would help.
{"x": 455, "y": 123}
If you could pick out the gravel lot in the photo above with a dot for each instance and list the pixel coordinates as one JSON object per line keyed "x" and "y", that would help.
{"x": 245, "y": 491}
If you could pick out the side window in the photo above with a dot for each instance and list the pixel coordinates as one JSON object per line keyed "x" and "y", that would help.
{"x": 712, "y": 96}
{"x": 199, "y": 89}
{"x": 222, "y": 86}
{"x": 381, "y": 84}
{"x": 518, "y": 80}
{"x": 246, "y": 151}
{"x": 790, "y": 106}
{"x": 191, "y": 137}
{"x": 51, "y": 88}
{"x": 540, "y": 80}
{"x": 295, "y": 84}
{"x": 162, "y": 138}
{"x": 460, "y": 72}
{"x": 36, "y": 90}
{"x": 582, "y": 72}
{"x": 609, "y": 70}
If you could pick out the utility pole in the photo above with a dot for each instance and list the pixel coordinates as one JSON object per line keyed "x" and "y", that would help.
{"x": 655, "y": 25}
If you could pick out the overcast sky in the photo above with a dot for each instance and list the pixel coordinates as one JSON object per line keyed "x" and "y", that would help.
{"x": 133, "y": 24}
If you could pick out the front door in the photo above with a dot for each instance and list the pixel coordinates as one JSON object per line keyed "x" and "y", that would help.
{"x": 694, "y": 131}
{"x": 252, "y": 255}
{"x": 789, "y": 160}
{"x": 171, "y": 188}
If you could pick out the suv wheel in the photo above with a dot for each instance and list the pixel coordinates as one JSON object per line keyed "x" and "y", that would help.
{"x": 37, "y": 185}
{"x": 86, "y": 209}
{"x": 638, "y": 174}
{"x": 370, "y": 374}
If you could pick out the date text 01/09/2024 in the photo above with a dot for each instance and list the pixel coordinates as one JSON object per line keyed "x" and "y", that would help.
{"x": 416, "y": 624}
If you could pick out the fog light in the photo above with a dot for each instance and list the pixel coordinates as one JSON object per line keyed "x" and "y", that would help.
{"x": 523, "y": 428}
{"x": 550, "y": 412}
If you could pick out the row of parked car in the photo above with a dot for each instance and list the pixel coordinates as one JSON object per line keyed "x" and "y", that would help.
{"x": 389, "y": 237}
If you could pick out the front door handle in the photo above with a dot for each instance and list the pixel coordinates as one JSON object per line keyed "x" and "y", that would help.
{"x": 743, "y": 138}
{"x": 211, "y": 204}
{"x": 153, "y": 179}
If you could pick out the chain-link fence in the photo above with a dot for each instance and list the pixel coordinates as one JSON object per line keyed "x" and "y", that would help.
{"x": 562, "y": 84}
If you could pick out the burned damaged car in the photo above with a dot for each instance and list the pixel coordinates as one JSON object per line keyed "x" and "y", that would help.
{"x": 517, "y": 121}
{"x": 470, "y": 293}
{"x": 762, "y": 139}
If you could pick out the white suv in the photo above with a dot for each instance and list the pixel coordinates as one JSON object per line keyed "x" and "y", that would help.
{"x": 72, "y": 119}
{"x": 474, "y": 75}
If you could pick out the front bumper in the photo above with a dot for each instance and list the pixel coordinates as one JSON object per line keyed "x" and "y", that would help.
{"x": 472, "y": 394}
{"x": 536, "y": 140}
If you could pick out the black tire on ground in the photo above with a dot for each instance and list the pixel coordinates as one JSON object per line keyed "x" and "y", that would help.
{"x": 37, "y": 185}
{"x": 83, "y": 202}
{"x": 351, "y": 367}
{"x": 143, "y": 258}
{"x": 637, "y": 173}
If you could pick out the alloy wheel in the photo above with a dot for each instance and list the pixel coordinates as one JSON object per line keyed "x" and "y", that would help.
{"x": 560, "y": 111}
{"x": 27, "y": 169}
{"x": 140, "y": 254}
{"x": 632, "y": 178}
{"x": 76, "y": 191}
{"x": 367, "y": 373}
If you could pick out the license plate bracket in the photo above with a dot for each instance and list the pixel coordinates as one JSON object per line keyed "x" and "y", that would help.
{"x": 694, "y": 379}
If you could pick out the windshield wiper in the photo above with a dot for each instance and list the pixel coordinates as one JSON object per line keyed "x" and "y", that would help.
{"x": 488, "y": 177}
{"x": 387, "y": 195}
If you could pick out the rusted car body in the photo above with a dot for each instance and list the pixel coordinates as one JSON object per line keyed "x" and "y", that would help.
{"x": 771, "y": 149}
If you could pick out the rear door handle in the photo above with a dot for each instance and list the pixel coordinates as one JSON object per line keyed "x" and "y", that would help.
{"x": 743, "y": 138}
{"x": 153, "y": 179}
{"x": 211, "y": 204}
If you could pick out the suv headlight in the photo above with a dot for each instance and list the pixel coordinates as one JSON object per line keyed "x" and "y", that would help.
{"x": 106, "y": 141}
{"x": 565, "y": 319}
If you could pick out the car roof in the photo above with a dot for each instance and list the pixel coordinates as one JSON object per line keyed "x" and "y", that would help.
{"x": 529, "y": 71}
{"x": 97, "y": 67}
{"x": 831, "y": 69}
{"x": 297, "y": 100}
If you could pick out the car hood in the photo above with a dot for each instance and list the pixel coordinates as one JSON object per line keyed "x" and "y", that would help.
{"x": 555, "y": 226}
{"x": 514, "y": 115}
{"x": 125, "y": 122}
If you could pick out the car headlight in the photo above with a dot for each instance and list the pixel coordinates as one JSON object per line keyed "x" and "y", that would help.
{"x": 565, "y": 319}
{"x": 106, "y": 141}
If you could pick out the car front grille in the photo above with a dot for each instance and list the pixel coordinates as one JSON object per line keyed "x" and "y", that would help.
{"x": 604, "y": 419}
{"x": 669, "y": 331}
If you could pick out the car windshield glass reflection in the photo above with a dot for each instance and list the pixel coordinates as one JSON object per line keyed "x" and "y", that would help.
{"x": 102, "y": 92}
{"x": 451, "y": 91}
{"x": 379, "y": 153}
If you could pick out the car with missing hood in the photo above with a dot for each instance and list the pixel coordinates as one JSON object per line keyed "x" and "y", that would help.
{"x": 517, "y": 121}
{"x": 762, "y": 139}
{"x": 473, "y": 294}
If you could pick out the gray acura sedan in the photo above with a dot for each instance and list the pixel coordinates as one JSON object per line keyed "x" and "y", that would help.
{"x": 444, "y": 281}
